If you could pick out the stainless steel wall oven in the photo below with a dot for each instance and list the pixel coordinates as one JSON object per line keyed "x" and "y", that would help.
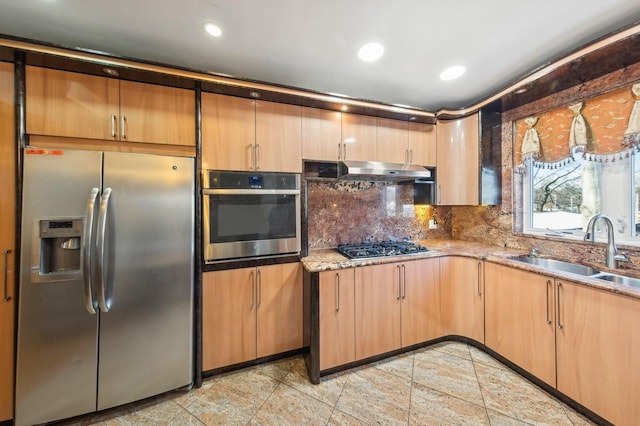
{"x": 250, "y": 214}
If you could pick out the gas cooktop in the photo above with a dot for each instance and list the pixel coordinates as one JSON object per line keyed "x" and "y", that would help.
{"x": 381, "y": 249}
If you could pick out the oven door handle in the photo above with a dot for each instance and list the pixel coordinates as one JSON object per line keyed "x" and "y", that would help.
{"x": 250, "y": 192}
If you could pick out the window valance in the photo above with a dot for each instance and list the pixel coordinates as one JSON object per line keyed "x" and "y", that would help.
{"x": 603, "y": 128}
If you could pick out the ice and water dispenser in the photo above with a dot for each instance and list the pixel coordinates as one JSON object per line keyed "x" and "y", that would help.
{"x": 60, "y": 245}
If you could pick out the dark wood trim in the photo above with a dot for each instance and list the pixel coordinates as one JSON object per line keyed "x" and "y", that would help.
{"x": 250, "y": 263}
{"x": 258, "y": 361}
{"x": 197, "y": 282}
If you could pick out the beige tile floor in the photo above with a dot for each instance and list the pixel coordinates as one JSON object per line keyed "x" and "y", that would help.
{"x": 445, "y": 384}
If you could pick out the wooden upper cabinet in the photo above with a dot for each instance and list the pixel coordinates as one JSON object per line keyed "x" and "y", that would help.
{"x": 244, "y": 134}
{"x": 228, "y": 132}
{"x": 458, "y": 161}
{"x": 422, "y": 144}
{"x": 157, "y": 114}
{"x": 61, "y": 103}
{"x": 359, "y": 137}
{"x": 278, "y": 146}
{"x": 321, "y": 134}
{"x": 69, "y": 104}
{"x": 393, "y": 141}
{"x": 7, "y": 239}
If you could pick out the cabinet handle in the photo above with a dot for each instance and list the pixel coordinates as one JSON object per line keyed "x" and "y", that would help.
{"x": 257, "y": 165}
{"x": 344, "y": 151}
{"x": 548, "y": 304}
{"x": 411, "y": 156}
{"x": 560, "y": 325}
{"x": 6, "y": 275}
{"x": 406, "y": 156}
{"x": 404, "y": 282}
{"x": 114, "y": 123}
{"x": 253, "y": 290}
{"x": 479, "y": 279}
{"x": 123, "y": 125}
{"x": 337, "y": 292}
{"x": 399, "y": 296}
{"x": 259, "y": 276}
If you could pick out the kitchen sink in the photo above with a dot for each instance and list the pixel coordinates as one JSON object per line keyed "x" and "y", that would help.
{"x": 619, "y": 279}
{"x": 556, "y": 265}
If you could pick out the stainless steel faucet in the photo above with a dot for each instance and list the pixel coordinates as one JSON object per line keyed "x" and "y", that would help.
{"x": 613, "y": 256}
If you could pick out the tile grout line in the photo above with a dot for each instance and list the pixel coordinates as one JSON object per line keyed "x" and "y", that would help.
{"x": 475, "y": 372}
{"x": 335, "y": 406}
{"x": 413, "y": 365}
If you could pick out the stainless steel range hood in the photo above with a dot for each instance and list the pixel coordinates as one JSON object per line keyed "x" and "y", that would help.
{"x": 375, "y": 170}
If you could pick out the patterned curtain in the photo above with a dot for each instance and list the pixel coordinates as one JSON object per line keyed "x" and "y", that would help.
{"x": 603, "y": 128}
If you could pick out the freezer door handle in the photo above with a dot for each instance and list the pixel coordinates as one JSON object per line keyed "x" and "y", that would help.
{"x": 101, "y": 268}
{"x": 87, "y": 240}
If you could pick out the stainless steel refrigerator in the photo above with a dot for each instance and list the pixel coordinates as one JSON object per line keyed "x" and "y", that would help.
{"x": 105, "y": 311}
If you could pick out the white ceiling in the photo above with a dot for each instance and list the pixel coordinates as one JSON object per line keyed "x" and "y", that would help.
{"x": 313, "y": 44}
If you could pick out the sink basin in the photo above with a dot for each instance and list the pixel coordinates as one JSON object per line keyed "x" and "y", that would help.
{"x": 556, "y": 265}
{"x": 619, "y": 279}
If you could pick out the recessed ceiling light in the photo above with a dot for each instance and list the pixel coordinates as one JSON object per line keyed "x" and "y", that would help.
{"x": 213, "y": 29}
{"x": 452, "y": 73}
{"x": 371, "y": 52}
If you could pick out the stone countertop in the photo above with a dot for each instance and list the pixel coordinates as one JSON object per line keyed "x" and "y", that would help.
{"x": 329, "y": 259}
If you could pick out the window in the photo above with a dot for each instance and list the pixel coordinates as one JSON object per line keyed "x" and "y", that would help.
{"x": 559, "y": 199}
{"x": 579, "y": 160}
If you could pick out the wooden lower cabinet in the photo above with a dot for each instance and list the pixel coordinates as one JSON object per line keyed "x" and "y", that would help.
{"x": 396, "y": 305}
{"x": 520, "y": 318}
{"x": 377, "y": 293}
{"x": 420, "y": 312}
{"x": 279, "y": 308}
{"x": 462, "y": 297}
{"x": 7, "y": 240}
{"x": 598, "y": 347}
{"x": 337, "y": 328}
{"x": 249, "y": 313}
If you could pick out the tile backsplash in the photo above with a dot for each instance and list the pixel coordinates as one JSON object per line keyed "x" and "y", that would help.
{"x": 343, "y": 212}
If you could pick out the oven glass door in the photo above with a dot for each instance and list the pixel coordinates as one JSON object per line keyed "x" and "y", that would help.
{"x": 248, "y": 225}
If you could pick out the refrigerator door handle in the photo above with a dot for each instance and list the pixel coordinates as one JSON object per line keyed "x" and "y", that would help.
{"x": 103, "y": 301}
{"x": 90, "y": 303}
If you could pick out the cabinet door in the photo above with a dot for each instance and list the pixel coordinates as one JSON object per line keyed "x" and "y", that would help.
{"x": 462, "y": 292}
{"x": 157, "y": 114}
{"x": 279, "y": 308}
{"x": 359, "y": 136}
{"x": 598, "y": 342}
{"x": 278, "y": 137}
{"x": 393, "y": 141}
{"x": 229, "y": 300}
{"x": 420, "y": 316}
{"x": 337, "y": 328}
{"x": 377, "y": 293}
{"x": 321, "y": 134}
{"x": 7, "y": 239}
{"x": 61, "y": 103}
{"x": 228, "y": 132}
{"x": 458, "y": 161}
{"x": 422, "y": 144}
{"x": 519, "y": 316}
